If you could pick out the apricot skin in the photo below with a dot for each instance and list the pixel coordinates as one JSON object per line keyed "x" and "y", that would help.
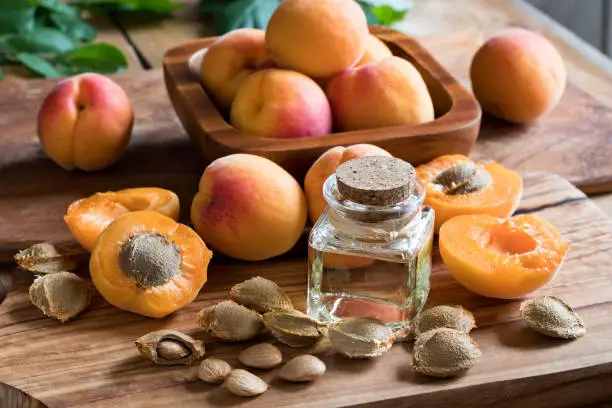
{"x": 389, "y": 92}
{"x": 318, "y": 38}
{"x": 248, "y": 208}
{"x": 320, "y": 170}
{"x": 375, "y": 51}
{"x": 231, "y": 59}
{"x": 281, "y": 104}
{"x": 518, "y": 76}
{"x": 85, "y": 122}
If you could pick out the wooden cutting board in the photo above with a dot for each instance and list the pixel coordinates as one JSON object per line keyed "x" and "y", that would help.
{"x": 92, "y": 361}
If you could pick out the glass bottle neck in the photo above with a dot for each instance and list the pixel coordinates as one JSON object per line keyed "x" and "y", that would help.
{"x": 371, "y": 223}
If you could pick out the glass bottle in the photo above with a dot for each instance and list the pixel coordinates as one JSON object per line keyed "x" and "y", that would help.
{"x": 370, "y": 251}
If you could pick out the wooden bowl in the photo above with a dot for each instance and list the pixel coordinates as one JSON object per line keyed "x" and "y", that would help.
{"x": 454, "y": 130}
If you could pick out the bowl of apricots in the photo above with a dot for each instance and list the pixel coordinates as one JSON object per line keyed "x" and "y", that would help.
{"x": 315, "y": 78}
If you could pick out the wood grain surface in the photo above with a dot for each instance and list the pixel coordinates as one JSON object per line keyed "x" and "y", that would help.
{"x": 453, "y": 131}
{"x": 92, "y": 361}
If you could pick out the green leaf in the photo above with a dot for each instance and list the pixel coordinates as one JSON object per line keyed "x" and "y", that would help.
{"x": 151, "y": 6}
{"x": 58, "y": 7}
{"x": 241, "y": 14}
{"x": 370, "y": 16}
{"x": 42, "y": 40}
{"x": 387, "y": 15}
{"x": 16, "y": 16}
{"x": 73, "y": 27}
{"x": 100, "y": 57}
{"x": 38, "y": 65}
{"x": 1, "y": 74}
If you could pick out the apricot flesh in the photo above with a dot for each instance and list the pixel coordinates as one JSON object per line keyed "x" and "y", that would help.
{"x": 499, "y": 198}
{"x": 518, "y": 75}
{"x": 390, "y": 92}
{"x": 248, "y": 207}
{"x": 500, "y": 258}
{"x": 230, "y": 60}
{"x": 147, "y": 263}
{"x": 317, "y": 38}
{"x": 85, "y": 122}
{"x": 281, "y": 104}
{"x": 88, "y": 217}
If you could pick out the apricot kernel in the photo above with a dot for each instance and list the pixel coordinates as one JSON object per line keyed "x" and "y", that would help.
{"x": 169, "y": 347}
{"x": 361, "y": 337}
{"x": 444, "y": 352}
{"x": 302, "y": 369}
{"x": 230, "y": 321}
{"x": 61, "y": 295}
{"x": 294, "y": 328}
{"x": 552, "y": 317}
{"x": 262, "y": 356}
{"x": 454, "y": 317}
{"x": 245, "y": 384}
{"x": 149, "y": 259}
{"x": 261, "y": 295}
{"x": 214, "y": 370}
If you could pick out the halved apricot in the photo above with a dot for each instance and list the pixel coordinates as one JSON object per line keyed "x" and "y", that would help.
{"x": 501, "y": 258}
{"x": 455, "y": 185}
{"x": 88, "y": 217}
{"x": 147, "y": 263}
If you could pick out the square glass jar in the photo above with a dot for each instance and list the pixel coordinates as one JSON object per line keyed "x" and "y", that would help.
{"x": 370, "y": 260}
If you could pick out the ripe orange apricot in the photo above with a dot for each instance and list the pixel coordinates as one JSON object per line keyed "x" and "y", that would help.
{"x": 147, "y": 263}
{"x": 469, "y": 188}
{"x": 88, "y": 217}
{"x": 501, "y": 258}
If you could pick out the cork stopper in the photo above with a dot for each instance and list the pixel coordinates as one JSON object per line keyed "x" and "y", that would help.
{"x": 376, "y": 180}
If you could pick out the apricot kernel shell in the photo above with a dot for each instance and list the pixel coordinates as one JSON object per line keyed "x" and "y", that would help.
{"x": 463, "y": 178}
{"x": 170, "y": 347}
{"x": 361, "y": 337}
{"x": 302, "y": 369}
{"x": 245, "y": 384}
{"x": 552, "y": 317}
{"x": 294, "y": 328}
{"x": 444, "y": 352}
{"x": 261, "y": 295}
{"x": 230, "y": 321}
{"x": 45, "y": 257}
{"x": 263, "y": 356}
{"x": 454, "y": 317}
{"x": 61, "y": 295}
{"x": 214, "y": 370}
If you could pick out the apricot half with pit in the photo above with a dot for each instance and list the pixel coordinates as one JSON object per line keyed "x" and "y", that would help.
{"x": 500, "y": 258}
{"x": 456, "y": 185}
{"x": 89, "y": 216}
{"x": 147, "y": 263}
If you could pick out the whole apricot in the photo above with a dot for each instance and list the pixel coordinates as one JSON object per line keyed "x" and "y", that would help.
{"x": 230, "y": 60}
{"x": 389, "y": 92}
{"x": 318, "y": 38}
{"x": 278, "y": 103}
{"x": 85, "y": 122}
{"x": 376, "y": 50}
{"x": 248, "y": 207}
{"x": 325, "y": 166}
{"x": 518, "y": 75}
